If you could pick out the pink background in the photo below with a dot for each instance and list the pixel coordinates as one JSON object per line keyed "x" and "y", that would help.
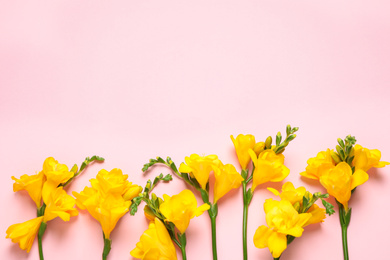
{"x": 131, "y": 80}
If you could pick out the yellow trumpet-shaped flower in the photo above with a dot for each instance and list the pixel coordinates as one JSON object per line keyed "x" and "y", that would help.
{"x": 268, "y": 167}
{"x": 290, "y": 193}
{"x": 295, "y": 197}
{"x": 32, "y": 184}
{"x": 106, "y": 209}
{"x": 59, "y": 204}
{"x": 318, "y": 165}
{"x": 365, "y": 158}
{"x": 155, "y": 243}
{"x": 180, "y": 208}
{"x": 242, "y": 144}
{"x": 24, "y": 233}
{"x": 55, "y": 172}
{"x": 199, "y": 167}
{"x": 282, "y": 220}
{"x": 226, "y": 178}
{"x": 339, "y": 182}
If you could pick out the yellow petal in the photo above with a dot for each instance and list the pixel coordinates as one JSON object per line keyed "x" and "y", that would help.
{"x": 155, "y": 243}
{"x": 226, "y": 179}
{"x": 277, "y": 243}
{"x": 262, "y": 234}
{"x": 242, "y": 144}
{"x": 358, "y": 178}
{"x": 32, "y": 184}
{"x": 24, "y": 233}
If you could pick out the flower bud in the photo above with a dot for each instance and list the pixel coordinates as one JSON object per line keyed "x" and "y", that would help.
{"x": 268, "y": 142}
{"x": 335, "y": 157}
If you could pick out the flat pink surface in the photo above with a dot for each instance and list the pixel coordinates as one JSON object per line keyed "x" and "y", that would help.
{"x": 131, "y": 80}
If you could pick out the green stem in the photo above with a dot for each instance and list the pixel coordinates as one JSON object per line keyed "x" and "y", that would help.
{"x": 214, "y": 236}
{"x": 344, "y": 222}
{"x": 41, "y": 231}
{"x": 245, "y": 222}
{"x": 107, "y": 247}
{"x": 183, "y": 243}
{"x": 183, "y": 252}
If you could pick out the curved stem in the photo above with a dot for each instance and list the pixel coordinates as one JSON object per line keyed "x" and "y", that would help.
{"x": 107, "y": 247}
{"x": 245, "y": 222}
{"x": 41, "y": 231}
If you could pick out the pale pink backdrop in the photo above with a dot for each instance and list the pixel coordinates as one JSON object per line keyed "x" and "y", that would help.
{"x": 131, "y": 80}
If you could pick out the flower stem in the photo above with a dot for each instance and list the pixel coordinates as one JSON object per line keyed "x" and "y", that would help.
{"x": 183, "y": 243}
{"x": 213, "y": 212}
{"x": 244, "y": 222}
{"x": 214, "y": 236}
{"x": 107, "y": 247}
{"x": 41, "y": 231}
{"x": 345, "y": 218}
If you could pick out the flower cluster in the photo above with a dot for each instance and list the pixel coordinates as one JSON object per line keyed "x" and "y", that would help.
{"x": 170, "y": 212}
{"x": 342, "y": 171}
{"x": 46, "y": 189}
{"x": 108, "y": 199}
{"x": 287, "y": 218}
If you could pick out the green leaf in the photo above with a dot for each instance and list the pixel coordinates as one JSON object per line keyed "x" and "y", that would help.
{"x": 328, "y": 207}
{"x": 167, "y": 177}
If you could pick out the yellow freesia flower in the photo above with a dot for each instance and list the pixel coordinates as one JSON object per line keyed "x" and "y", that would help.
{"x": 106, "y": 209}
{"x": 155, "y": 243}
{"x": 199, "y": 167}
{"x": 113, "y": 181}
{"x": 55, "y": 172}
{"x": 365, "y": 158}
{"x": 226, "y": 178}
{"x": 282, "y": 220}
{"x": 242, "y": 144}
{"x": 59, "y": 204}
{"x": 318, "y": 165}
{"x": 339, "y": 182}
{"x": 295, "y": 197}
{"x": 180, "y": 208}
{"x": 268, "y": 167}
{"x": 24, "y": 233}
{"x": 32, "y": 184}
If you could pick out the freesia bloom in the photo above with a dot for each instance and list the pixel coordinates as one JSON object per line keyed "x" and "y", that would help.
{"x": 180, "y": 208}
{"x": 106, "y": 209}
{"x": 295, "y": 197}
{"x": 339, "y": 182}
{"x": 114, "y": 182}
{"x": 242, "y": 144}
{"x": 268, "y": 167}
{"x": 365, "y": 158}
{"x": 32, "y": 184}
{"x": 155, "y": 243}
{"x": 199, "y": 167}
{"x": 56, "y": 174}
{"x": 24, "y": 233}
{"x": 59, "y": 204}
{"x": 317, "y": 165}
{"x": 282, "y": 220}
{"x": 226, "y": 178}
